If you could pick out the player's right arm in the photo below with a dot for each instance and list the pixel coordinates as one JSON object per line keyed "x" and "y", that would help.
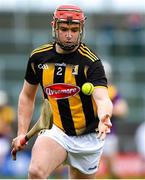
{"x": 26, "y": 104}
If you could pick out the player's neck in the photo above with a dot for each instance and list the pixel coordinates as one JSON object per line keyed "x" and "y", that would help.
{"x": 62, "y": 51}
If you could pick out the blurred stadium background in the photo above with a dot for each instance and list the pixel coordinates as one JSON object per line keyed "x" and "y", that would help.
{"x": 115, "y": 30}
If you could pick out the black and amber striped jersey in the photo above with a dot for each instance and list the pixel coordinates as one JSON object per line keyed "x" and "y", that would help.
{"x": 61, "y": 77}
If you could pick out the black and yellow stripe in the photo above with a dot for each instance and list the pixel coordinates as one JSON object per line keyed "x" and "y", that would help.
{"x": 74, "y": 113}
{"x": 42, "y": 48}
{"x": 47, "y": 79}
{"x": 85, "y": 51}
{"x": 70, "y": 114}
{"x": 74, "y": 103}
{"x": 88, "y": 107}
{"x": 63, "y": 105}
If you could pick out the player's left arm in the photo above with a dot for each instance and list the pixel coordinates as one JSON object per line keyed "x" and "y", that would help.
{"x": 104, "y": 110}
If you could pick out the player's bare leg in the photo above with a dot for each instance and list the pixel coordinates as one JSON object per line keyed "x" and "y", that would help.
{"x": 47, "y": 154}
{"x": 76, "y": 174}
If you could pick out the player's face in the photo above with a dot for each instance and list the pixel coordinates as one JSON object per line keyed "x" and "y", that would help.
{"x": 68, "y": 34}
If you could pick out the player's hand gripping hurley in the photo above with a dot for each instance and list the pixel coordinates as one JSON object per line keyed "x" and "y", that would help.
{"x": 44, "y": 122}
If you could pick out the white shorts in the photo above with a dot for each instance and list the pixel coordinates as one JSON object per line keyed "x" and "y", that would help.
{"x": 84, "y": 151}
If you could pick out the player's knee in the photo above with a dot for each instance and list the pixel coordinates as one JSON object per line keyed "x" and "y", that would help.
{"x": 36, "y": 172}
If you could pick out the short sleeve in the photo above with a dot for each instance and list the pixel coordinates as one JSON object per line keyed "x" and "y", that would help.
{"x": 31, "y": 75}
{"x": 96, "y": 74}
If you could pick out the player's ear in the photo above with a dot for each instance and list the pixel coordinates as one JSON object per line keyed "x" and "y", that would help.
{"x": 52, "y": 23}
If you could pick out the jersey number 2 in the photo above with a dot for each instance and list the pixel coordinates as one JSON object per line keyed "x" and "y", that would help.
{"x": 59, "y": 71}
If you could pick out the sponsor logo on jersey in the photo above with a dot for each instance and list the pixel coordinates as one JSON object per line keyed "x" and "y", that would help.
{"x": 60, "y": 64}
{"x": 61, "y": 90}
